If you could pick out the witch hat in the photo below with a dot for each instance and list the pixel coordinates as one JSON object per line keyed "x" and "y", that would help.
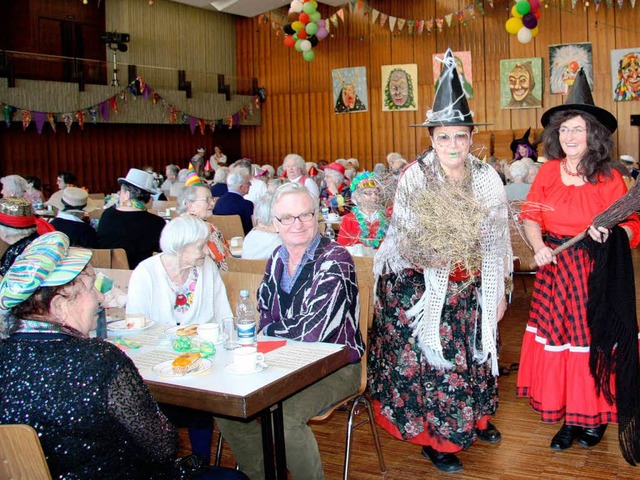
{"x": 580, "y": 99}
{"x": 523, "y": 141}
{"x": 450, "y": 106}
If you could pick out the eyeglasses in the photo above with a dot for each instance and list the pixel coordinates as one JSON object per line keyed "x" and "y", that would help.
{"x": 459, "y": 138}
{"x": 290, "y": 219}
{"x": 577, "y": 130}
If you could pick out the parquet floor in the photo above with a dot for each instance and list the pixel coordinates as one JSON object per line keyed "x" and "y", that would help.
{"x": 524, "y": 452}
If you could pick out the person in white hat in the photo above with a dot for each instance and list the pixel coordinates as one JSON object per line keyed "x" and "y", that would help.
{"x": 128, "y": 225}
{"x": 69, "y": 220}
{"x": 197, "y": 162}
{"x": 631, "y": 164}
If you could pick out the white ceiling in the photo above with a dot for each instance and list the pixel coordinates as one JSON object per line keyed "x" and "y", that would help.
{"x": 247, "y": 8}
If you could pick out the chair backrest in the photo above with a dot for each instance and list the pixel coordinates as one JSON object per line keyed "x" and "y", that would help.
{"x": 246, "y": 265}
{"x": 162, "y": 205}
{"x": 522, "y": 253}
{"x": 229, "y": 225}
{"x": 110, "y": 258}
{"x": 21, "y": 455}
{"x": 236, "y": 281}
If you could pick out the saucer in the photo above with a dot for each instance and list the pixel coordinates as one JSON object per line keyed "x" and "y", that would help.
{"x": 231, "y": 368}
{"x": 166, "y": 370}
{"x": 121, "y": 326}
{"x": 220, "y": 341}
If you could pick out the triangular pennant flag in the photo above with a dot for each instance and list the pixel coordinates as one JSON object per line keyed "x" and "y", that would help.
{"x": 573, "y": 3}
{"x": 374, "y": 15}
{"x": 93, "y": 114}
{"x": 67, "y": 118}
{"x": 341, "y": 14}
{"x": 202, "y": 126}
{"x": 236, "y": 118}
{"x": 392, "y": 23}
{"x": 448, "y": 19}
{"x": 472, "y": 11}
{"x": 334, "y": 19}
{"x": 352, "y": 4}
{"x": 7, "y": 114}
{"x": 243, "y": 114}
{"x": 26, "y": 118}
{"x": 410, "y": 26}
{"x": 439, "y": 23}
{"x": 104, "y": 110}
{"x": 52, "y": 121}
{"x": 401, "y": 23}
{"x": 609, "y": 3}
{"x": 383, "y": 18}
{"x": 212, "y": 126}
{"x": 360, "y": 4}
{"x": 113, "y": 103}
{"x": 193, "y": 123}
{"x": 80, "y": 116}
{"x": 185, "y": 119}
{"x": 620, "y": 3}
{"x": 420, "y": 27}
{"x": 39, "y": 118}
{"x": 429, "y": 25}
{"x": 173, "y": 115}
{"x": 230, "y": 122}
{"x": 633, "y": 3}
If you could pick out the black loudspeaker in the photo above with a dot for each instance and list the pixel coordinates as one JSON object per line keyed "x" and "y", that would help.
{"x": 635, "y": 120}
{"x": 261, "y": 93}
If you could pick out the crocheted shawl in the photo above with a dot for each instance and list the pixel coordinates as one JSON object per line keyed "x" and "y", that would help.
{"x": 495, "y": 247}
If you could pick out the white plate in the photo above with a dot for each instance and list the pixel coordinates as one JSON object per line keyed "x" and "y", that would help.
{"x": 166, "y": 370}
{"x": 121, "y": 326}
{"x": 174, "y": 331}
{"x": 220, "y": 340}
{"x": 231, "y": 368}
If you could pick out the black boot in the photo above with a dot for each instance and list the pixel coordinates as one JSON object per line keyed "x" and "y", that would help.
{"x": 590, "y": 437}
{"x": 489, "y": 434}
{"x": 565, "y": 437}
{"x": 447, "y": 462}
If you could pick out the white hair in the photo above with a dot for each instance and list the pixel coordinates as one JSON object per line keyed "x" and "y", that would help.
{"x": 270, "y": 169}
{"x": 380, "y": 168}
{"x": 519, "y": 169}
{"x": 182, "y": 174}
{"x": 187, "y": 195}
{"x": 262, "y": 208}
{"x": 299, "y": 161}
{"x": 181, "y": 232}
{"x": 336, "y": 175}
{"x": 291, "y": 188}
{"x": 14, "y": 185}
{"x": 354, "y": 161}
{"x": 237, "y": 178}
{"x": 221, "y": 175}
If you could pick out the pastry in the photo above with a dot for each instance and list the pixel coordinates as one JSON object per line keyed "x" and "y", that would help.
{"x": 188, "y": 331}
{"x": 185, "y": 363}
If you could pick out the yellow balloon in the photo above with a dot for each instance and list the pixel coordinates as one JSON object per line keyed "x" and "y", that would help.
{"x": 534, "y": 32}
{"x": 515, "y": 13}
{"x": 297, "y": 25}
{"x": 513, "y": 25}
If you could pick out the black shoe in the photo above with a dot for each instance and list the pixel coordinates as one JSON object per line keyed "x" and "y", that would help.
{"x": 590, "y": 437}
{"x": 565, "y": 437}
{"x": 489, "y": 434}
{"x": 446, "y": 462}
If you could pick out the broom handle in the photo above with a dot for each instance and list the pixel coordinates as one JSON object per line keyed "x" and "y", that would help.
{"x": 569, "y": 243}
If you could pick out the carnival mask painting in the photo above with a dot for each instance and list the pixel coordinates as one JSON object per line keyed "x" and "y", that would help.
{"x": 399, "y": 92}
{"x": 521, "y": 83}
{"x": 350, "y": 90}
{"x": 625, "y": 74}
{"x": 565, "y": 62}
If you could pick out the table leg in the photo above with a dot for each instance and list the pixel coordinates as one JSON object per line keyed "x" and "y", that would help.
{"x": 274, "y": 428}
{"x": 278, "y": 431}
{"x": 267, "y": 445}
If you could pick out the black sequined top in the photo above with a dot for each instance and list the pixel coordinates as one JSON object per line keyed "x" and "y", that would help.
{"x": 85, "y": 398}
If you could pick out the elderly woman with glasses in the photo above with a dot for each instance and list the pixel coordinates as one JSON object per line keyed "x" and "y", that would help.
{"x": 309, "y": 293}
{"x": 197, "y": 200}
{"x": 579, "y": 357}
{"x": 441, "y": 273}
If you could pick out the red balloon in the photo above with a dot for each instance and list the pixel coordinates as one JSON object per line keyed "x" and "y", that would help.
{"x": 537, "y": 14}
{"x": 304, "y": 18}
{"x": 302, "y": 34}
{"x": 289, "y": 41}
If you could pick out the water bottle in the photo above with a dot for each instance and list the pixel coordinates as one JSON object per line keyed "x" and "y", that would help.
{"x": 246, "y": 314}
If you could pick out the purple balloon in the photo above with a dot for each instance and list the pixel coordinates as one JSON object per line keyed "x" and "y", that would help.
{"x": 530, "y": 21}
{"x": 321, "y": 23}
{"x": 322, "y": 33}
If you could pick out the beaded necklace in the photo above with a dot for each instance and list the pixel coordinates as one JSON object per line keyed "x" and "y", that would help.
{"x": 184, "y": 292}
{"x": 364, "y": 228}
{"x": 567, "y": 171}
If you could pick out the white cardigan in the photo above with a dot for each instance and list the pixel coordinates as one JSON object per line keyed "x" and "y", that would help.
{"x": 150, "y": 293}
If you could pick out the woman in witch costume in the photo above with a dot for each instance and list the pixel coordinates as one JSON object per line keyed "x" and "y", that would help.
{"x": 522, "y": 148}
{"x": 581, "y": 341}
{"x": 440, "y": 291}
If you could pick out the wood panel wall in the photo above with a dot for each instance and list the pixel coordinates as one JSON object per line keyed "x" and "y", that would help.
{"x": 101, "y": 153}
{"x": 298, "y": 114}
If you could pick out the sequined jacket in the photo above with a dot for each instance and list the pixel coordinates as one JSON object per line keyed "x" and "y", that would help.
{"x": 85, "y": 398}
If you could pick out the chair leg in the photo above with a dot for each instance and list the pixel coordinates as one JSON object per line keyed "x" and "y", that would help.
{"x": 218, "y": 450}
{"x": 362, "y": 399}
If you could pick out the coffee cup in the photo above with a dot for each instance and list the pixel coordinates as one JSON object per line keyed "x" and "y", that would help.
{"x": 135, "y": 321}
{"x": 236, "y": 242}
{"x": 245, "y": 359}
{"x": 333, "y": 217}
{"x": 209, "y": 332}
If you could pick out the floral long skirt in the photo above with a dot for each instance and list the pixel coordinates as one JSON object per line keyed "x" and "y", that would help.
{"x": 412, "y": 400}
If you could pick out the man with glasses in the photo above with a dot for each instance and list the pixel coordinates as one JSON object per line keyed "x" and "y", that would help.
{"x": 233, "y": 202}
{"x": 309, "y": 293}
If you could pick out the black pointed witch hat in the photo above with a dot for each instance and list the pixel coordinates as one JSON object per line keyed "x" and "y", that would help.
{"x": 450, "y": 106}
{"x": 522, "y": 141}
{"x": 580, "y": 99}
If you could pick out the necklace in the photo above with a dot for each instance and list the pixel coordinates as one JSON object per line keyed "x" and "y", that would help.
{"x": 364, "y": 228}
{"x": 184, "y": 293}
{"x": 567, "y": 171}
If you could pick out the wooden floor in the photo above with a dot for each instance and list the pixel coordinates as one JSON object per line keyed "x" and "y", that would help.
{"x": 524, "y": 452}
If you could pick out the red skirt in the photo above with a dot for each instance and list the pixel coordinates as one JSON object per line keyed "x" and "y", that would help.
{"x": 554, "y": 361}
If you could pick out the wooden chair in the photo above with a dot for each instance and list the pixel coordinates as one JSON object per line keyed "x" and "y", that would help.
{"x": 97, "y": 213}
{"x": 360, "y": 398}
{"x": 229, "y": 225}
{"x": 3, "y": 247}
{"x": 110, "y": 258}
{"x": 21, "y": 455}
{"x": 246, "y": 265}
{"x": 523, "y": 261}
{"x": 236, "y": 281}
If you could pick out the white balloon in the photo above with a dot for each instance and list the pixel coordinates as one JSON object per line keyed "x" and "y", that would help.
{"x": 296, "y": 6}
{"x": 524, "y": 35}
{"x": 305, "y": 45}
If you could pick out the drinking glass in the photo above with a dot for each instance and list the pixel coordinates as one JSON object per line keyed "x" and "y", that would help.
{"x": 230, "y": 333}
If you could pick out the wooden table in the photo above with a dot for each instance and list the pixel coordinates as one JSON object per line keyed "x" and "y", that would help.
{"x": 247, "y": 396}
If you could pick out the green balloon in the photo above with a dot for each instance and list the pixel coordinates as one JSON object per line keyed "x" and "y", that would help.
{"x": 309, "y": 54}
{"x": 309, "y": 7}
{"x": 523, "y": 7}
{"x": 298, "y": 46}
{"x": 315, "y": 16}
{"x": 311, "y": 28}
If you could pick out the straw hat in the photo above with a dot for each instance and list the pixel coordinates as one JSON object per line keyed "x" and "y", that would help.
{"x": 76, "y": 199}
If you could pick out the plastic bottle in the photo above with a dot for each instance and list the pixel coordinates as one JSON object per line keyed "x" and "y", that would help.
{"x": 246, "y": 314}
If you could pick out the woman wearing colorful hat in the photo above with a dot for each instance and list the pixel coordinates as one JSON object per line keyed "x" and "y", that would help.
{"x": 579, "y": 359}
{"x": 336, "y": 194}
{"x": 93, "y": 413}
{"x": 367, "y": 222}
{"x": 441, "y": 273}
{"x": 128, "y": 225}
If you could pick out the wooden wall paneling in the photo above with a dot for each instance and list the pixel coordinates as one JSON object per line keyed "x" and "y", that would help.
{"x": 495, "y": 47}
{"x": 299, "y": 125}
{"x": 549, "y": 33}
{"x": 382, "y": 128}
{"x": 270, "y": 108}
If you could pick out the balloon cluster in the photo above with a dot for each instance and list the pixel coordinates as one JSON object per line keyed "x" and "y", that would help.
{"x": 524, "y": 20}
{"x": 306, "y": 28}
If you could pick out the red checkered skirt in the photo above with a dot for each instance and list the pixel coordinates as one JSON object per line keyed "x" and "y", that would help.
{"x": 554, "y": 360}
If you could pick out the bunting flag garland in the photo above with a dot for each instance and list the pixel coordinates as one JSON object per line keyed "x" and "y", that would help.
{"x": 401, "y": 22}
{"x": 135, "y": 89}
{"x": 374, "y": 15}
{"x": 383, "y": 19}
{"x": 439, "y": 23}
{"x": 420, "y": 27}
{"x": 392, "y": 23}
{"x": 410, "y": 26}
